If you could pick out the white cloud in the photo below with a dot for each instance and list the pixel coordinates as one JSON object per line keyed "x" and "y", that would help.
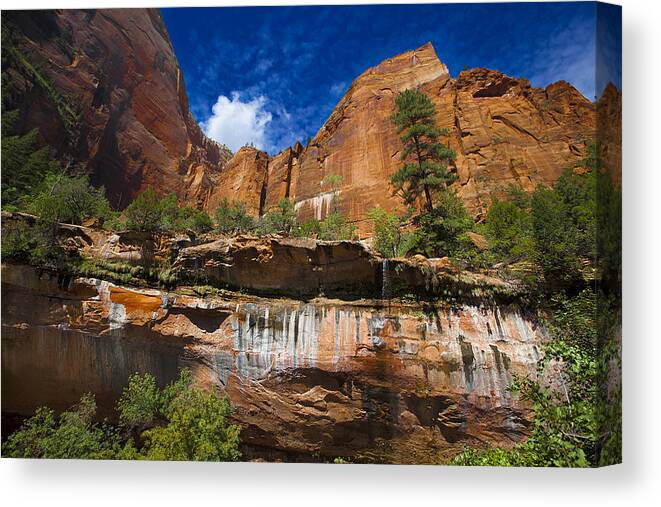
{"x": 338, "y": 88}
{"x": 235, "y": 123}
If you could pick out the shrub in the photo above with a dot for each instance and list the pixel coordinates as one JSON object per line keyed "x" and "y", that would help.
{"x": 139, "y": 403}
{"x": 508, "y": 229}
{"x": 439, "y": 231}
{"x": 145, "y": 212}
{"x": 190, "y": 218}
{"x": 310, "y": 228}
{"x": 336, "y": 226}
{"x": 68, "y": 199}
{"x": 389, "y": 239}
{"x": 198, "y": 427}
{"x": 179, "y": 422}
{"x": 72, "y": 435}
{"x": 24, "y": 165}
{"x": 232, "y": 218}
{"x": 35, "y": 243}
{"x": 280, "y": 220}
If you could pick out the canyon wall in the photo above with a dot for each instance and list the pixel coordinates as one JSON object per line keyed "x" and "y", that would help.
{"x": 105, "y": 90}
{"x": 308, "y": 380}
{"x": 503, "y": 132}
{"x": 313, "y": 342}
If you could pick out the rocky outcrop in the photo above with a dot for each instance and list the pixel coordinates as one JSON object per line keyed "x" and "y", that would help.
{"x": 309, "y": 381}
{"x": 503, "y": 131}
{"x": 303, "y": 268}
{"x": 283, "y": 171}
{"x": 107, "y": 94}
{"x": 244, "y": 179}
{"x": 609, "y": 130}
{"x": 507, "y": 132}
{"x": 359, "y": 142}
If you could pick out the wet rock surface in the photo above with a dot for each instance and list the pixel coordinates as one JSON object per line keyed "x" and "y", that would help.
{"x": 309, "y": 380}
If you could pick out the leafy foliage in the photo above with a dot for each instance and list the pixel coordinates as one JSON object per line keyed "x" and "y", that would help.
{"x": 34, "y": 243}
{"x": 425, "y": 169}
{"x": 24, "y": 164}
{"x": 389, "y": 239}
{"x": 146, "y": 212}
{"x": 74, "y": 435}
{"x": 310, "y": 228}
{"x": 179, "y": 422}
{"x": 189, "y": 218}
{"x": 440, "y": 231}
{"x": 336, "y": 226}
{"x": 280, "y": 220}
{"x": 68, "y": 199}
{"x": 232, "y": 218}
{"x": 197, "y": 427}
{"x": 508, "y": 228}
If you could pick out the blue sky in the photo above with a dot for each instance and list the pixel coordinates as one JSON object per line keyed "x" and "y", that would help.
{"x": 272, "y": 75}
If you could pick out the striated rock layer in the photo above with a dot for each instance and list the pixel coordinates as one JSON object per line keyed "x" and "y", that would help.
{"x": 308, "y": 380}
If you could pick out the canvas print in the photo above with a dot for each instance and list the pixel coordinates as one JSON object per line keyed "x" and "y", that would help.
{"x": 385, "y": 234}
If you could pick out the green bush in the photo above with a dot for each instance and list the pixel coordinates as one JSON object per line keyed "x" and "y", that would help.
{"x": 145, "y": 212}
{"x": 198, "y": 427}
{"x": 310, "y": 228}
{"x": 24, "y": 164}
{"x": 336, "y": 226}
{"x": 68, "y": 199}
{"x": 282, "y": 219}
{"x": 508, "y": 229}
{"x": 389, "y": 239}
{"x": 33, "y": 243}
{"x": 439, "y": 231}
{"x": 232, "y": 218}
{"x": 179, "y": 422}
{"x": 72, "y": 435}
{"x": 190, "y": 218}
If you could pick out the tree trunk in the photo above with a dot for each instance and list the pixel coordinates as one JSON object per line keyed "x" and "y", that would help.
{"x": 429, "y": 203}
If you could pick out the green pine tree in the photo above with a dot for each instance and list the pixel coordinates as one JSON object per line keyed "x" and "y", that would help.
{"x": 425, "y": 170}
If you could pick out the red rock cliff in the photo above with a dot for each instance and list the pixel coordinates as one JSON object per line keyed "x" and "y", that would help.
{"x": 503, "y": 130}
{"x": 106, "y": 91}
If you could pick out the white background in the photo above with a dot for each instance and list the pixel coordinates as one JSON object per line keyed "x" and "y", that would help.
{"x": 634, "y": 483}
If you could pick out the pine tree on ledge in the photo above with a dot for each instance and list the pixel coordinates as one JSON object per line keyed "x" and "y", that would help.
{"x": 425, "y": 169}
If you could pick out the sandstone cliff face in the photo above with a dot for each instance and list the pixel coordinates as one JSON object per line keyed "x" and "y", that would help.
{"x": 359, "y": 142}
{"x": 323, "y": 378}
{"x": 105, "y": 89}
{"x": 609, "y": 130}
{"x": 311, "y": 378}
{"x": 244, "y": 178}
{"x": 502, "y": 130}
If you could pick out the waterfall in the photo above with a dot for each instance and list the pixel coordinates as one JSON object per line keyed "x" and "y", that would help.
{"x": 385, "y": 280}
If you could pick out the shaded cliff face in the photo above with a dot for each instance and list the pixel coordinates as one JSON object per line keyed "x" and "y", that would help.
{"x": 105, "y": 89}
{"x": 324, "y": 378}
